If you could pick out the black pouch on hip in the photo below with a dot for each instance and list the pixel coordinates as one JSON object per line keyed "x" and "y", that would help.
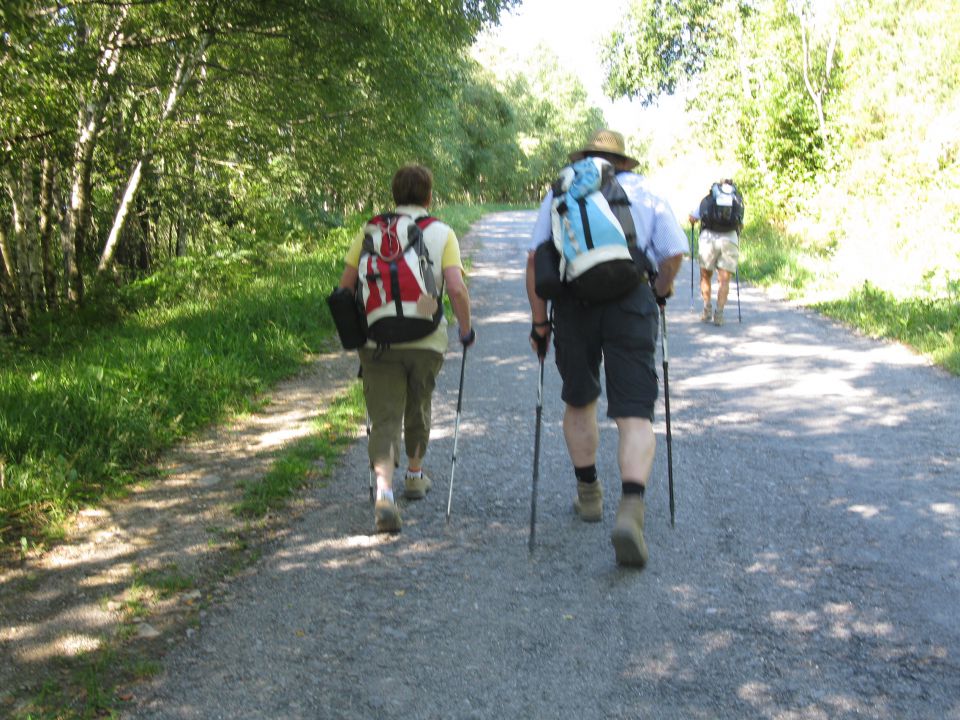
{"x": 351, "y": 325}
{"x": 546, "y": 271}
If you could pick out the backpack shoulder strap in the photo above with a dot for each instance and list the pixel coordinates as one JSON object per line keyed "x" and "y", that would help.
{"x": 425, "y": 221}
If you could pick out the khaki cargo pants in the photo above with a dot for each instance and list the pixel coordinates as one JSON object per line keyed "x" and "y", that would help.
{"x": 398, "y": 387}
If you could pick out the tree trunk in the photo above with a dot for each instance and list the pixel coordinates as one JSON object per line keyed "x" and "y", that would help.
{"x": 47, "y": 212}
{"x": 88, "y": 129}
{"x": 9, "y": 292}
{"x": 746, "y": 98}
{"x": 143, "y": 242}
{"x": 818, "y": 92}
{"x": 185, "y": 68}
{"x": 15, "y": 251}
{"x": 181, "y": 237}
{"x": 29, "y": 254}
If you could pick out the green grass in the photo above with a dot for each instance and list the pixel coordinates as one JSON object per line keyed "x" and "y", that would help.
{"x": 89, "y": 401}
{"x": 770, "y": 257}
{"x": 931, "y": 326}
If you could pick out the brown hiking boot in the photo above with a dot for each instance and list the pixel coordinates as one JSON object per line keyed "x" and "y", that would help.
{"x": 589, "y": 501}
{"x": 386, "y": 516}
{"x": 416, "y": 488}
{"x": 627, "y": 535}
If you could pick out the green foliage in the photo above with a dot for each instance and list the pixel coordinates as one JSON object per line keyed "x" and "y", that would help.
{"x": 932, "y": 326}
{"x": 85, "y": 408}
{"x": 769, "y": 258}
{"x": 660, "y": 45}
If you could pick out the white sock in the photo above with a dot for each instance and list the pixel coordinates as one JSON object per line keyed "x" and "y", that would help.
{"x": 418, "y": 474}
{"x": 385, "y": 495}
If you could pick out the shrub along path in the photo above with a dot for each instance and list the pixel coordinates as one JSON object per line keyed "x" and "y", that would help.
{"x": 812, "y": 571}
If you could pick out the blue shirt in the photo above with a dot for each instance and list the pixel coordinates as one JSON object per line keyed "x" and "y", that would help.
{"x": 658, "y": 232}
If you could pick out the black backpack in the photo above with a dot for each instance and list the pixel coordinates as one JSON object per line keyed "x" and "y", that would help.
{"x": 722, "y": 208}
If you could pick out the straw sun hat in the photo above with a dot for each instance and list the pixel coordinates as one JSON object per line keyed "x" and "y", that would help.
{"x": 608, "y": 142}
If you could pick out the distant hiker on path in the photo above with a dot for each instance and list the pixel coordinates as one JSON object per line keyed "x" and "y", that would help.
{"x": 402, "y": 262}
{"x": 721, "y": 215}
{"x": 621, "y": 331}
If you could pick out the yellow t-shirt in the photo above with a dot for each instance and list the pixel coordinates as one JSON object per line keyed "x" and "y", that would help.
{"x": 441, "y": 240}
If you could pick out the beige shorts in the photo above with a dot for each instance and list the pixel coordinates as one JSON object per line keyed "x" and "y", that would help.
{"x": 719, "y": 250}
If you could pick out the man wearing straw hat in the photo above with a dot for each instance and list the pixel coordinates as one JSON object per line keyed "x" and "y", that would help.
{"x": 623, "y": 334}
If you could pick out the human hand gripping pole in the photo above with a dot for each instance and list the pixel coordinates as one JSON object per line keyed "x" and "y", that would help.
{"x": 465, "y": 340}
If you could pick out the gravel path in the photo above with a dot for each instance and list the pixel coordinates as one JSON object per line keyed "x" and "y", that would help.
{"x": 812, "y": 572}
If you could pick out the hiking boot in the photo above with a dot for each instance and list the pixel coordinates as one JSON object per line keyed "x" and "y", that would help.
{"x": 627, "y": 535}
{"x": 416, "y": 488}
{"x": 386, "y": 516}
{"x": 718, "y": 317}
{"x": 707, "y": 314}
{"x": 589, "y": 501}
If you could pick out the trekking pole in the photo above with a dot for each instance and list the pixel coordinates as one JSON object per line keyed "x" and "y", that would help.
{"x": 666, "y": 404}
{"x": 456, "y": 432}
{"x": 739, "y": 319}
{"x": 370, "y": 483}
{"x": 536, "y": 461}
{"x": 691, "y": 266}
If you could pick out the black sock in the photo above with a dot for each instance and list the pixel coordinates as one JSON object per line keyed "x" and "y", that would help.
{"x": 633, "y": 488}
{"x": 586, "y": 474}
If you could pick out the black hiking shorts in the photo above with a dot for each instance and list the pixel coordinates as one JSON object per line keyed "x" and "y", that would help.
{"x": 623, "y": 335}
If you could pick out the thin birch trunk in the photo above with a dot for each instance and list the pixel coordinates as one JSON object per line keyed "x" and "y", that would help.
{"x": 9, "y": 293}
{"x": 29, "y": 254}
{"x": 746, "y": 96}
{"x": 185, "y": 68}
{"x": 818, "y": 92}
{"x": 88, "y": 130}
{"x": 14, "y": 250}
{"x": 47, "y": 212}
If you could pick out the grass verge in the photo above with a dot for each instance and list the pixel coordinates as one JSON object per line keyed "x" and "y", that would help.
{"x": 930, "y": 326}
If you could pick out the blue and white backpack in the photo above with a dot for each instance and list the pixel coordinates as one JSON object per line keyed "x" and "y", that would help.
{"x": 594, "y": 232}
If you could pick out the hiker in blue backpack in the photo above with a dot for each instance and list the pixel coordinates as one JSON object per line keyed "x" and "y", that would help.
{"x": 589, "y": 326}
{"x": 720, "y": 214}
{"x": 401, "y": 263}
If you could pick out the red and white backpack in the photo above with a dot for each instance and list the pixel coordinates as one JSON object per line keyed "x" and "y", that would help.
{"x": 398, "y": 291}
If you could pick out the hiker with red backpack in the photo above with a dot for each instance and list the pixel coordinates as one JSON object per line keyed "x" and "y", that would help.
{"x": 720, "y": 214}
{"x": 396, "y": 272}
{"x": 619, "y": 248}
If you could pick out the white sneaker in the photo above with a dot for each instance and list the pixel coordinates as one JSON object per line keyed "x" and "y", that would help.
{"x": 707, "y": 314}
{"x": 718, "y": 317}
